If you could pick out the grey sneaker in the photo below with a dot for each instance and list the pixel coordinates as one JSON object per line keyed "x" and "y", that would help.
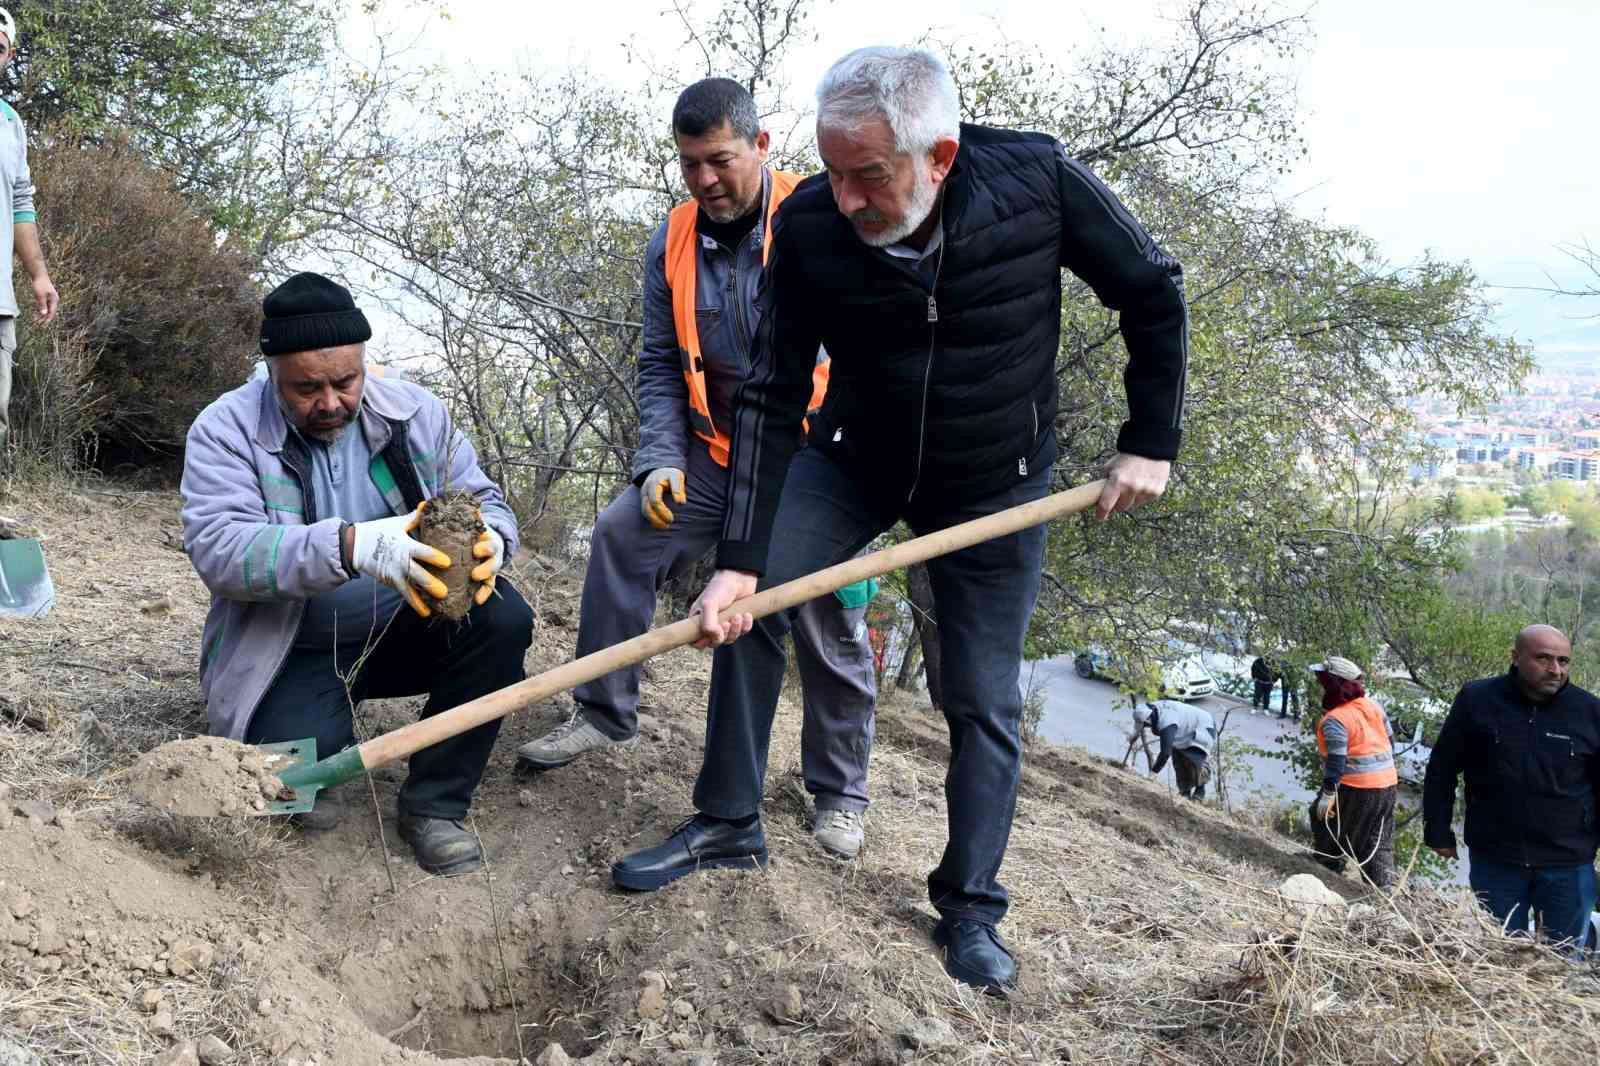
{"x": 566, "y": 742}
{"x": 839, "y": 833}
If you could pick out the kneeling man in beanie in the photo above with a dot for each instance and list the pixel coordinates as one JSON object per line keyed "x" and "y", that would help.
{"x": 300, "y": 491}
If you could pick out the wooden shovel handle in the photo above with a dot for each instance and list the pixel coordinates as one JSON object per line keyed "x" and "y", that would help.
{"x": 400, "y": 743}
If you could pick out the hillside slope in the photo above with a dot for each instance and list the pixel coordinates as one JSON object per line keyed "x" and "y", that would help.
{"x": 1149, "y": 929}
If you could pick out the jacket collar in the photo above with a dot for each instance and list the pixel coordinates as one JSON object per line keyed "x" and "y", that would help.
{"x": 382, "y": 403}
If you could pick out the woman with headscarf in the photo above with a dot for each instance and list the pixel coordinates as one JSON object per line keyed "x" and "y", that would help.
{"x": 1353, "y": 815}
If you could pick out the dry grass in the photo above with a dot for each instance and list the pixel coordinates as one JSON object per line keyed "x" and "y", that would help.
{"x": 84, "y": 1014}
{"x": 1148, "y": 928}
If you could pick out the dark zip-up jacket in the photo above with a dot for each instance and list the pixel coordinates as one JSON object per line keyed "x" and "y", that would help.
{"x": 944, "y": 382}
{"x": 1532, "y": 772}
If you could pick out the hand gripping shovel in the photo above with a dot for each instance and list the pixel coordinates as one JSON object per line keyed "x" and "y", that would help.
{"x": 307, "y": 777}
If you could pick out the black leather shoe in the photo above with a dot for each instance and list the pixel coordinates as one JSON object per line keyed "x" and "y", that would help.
{"x": 975, "y": 955}
{"x": 701, "y": 843}
{"x": 443, "y": 846}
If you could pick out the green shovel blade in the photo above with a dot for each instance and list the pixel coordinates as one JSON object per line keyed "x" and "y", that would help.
{"x": 306, "y": 776}
{"x": 294, "y": 755}
{"x": 25, "y": 588}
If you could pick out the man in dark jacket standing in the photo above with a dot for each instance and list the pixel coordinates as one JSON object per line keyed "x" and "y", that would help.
{"x": 1528, "y": 744}
{"x": 928, "y": 261}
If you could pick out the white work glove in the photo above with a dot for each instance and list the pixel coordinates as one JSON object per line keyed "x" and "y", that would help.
{"x": 1325, "y": 805}
{"x": 652, "y": 502}
{"x": 384, "y": 549}
{"x": 491, "y": 548}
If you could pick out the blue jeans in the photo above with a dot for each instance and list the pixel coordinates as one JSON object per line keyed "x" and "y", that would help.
{"x": 1561, "y": 898}
{"x": 984, "y": 596}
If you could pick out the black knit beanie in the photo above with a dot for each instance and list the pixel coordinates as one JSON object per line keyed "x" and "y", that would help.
{"x": 309, "y": 312}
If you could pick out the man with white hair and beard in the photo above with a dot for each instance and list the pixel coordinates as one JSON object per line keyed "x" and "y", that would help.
{"x": 927, "y": 260}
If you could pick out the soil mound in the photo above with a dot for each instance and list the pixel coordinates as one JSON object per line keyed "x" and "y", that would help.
{"x": 208, "y": 776}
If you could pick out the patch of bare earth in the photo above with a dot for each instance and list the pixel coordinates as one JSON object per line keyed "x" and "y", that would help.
{"x": 1148, "y": 928}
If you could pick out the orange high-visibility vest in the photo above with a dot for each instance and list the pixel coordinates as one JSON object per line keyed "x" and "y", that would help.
{"x": 681, "y": 259}
{"x": 1370, "y": 761}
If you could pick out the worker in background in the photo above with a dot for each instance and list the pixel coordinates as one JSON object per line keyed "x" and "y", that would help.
{"x": 1353, "y": 814}
{"x": 1188, "y": 735}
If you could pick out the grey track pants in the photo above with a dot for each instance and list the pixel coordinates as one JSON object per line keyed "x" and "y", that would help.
{"x": 629, "y": 560}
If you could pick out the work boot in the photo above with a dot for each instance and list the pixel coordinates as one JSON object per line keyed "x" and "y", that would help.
{"x": 839, "y": 833}
{"x": 572, "y": 738}
{"x": 975, "y": 955}
{"x": 329, "y": 809}
{"x": 700, "y": 843}
{"x": 443, "y": 845}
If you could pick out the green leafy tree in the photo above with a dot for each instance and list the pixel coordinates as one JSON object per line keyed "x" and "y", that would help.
{"x": 188, "y": 83}
{"x": 1287, "y": 524}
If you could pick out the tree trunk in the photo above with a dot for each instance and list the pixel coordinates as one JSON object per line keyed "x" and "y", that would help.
{"x": 926, "y": 629}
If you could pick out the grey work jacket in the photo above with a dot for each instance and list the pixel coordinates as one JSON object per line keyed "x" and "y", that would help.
{"x": 251, "y": 529}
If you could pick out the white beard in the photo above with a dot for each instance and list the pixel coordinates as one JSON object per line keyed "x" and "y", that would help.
{"x": 924, "y": 197}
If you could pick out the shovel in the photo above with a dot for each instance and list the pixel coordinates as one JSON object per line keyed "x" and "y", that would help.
{"x": 299, "y": 769}
{"x": 25, "y": 588}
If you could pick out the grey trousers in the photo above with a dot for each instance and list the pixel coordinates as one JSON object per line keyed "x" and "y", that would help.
{"x": 629, "y": 560}
{"x": 8, "y": 350}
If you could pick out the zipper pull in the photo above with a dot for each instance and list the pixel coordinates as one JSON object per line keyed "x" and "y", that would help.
{"x": 933, "y": 309}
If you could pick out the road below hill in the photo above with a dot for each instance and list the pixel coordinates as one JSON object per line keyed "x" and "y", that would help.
{"x": 1096, "y": 716}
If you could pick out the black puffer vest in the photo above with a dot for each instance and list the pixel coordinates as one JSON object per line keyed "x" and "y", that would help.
{"x": 944, "y": 383}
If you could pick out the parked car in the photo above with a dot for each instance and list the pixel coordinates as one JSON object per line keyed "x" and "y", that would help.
{"x": 1182, "y": 678}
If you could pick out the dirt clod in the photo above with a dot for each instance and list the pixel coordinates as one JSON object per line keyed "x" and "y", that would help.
{"x": 652, "y": 996}
{"x": 190, "y": 957}
{"x": 207, "y": 776}
{"x": 21, "y": 904}
{"x": 184, "y": 1054}
{"x": 164, "y": 1024}
{"x": 213, "y": 1052}
{"x": 477, "y": 996}
{"x": 40, "y": 809}
{"x": 452, "y": 523}
{"x": 553, "y": 1055}
{"x": 927, "y": 1034}
{"x": 788, "y": 1005}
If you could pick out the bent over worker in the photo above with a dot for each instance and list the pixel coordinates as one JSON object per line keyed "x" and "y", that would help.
{"x": 928, "y": 261}
{"x": 300, "y": 491}
{"x": 702, "y": 270}
{"x": 1353, "y": 814}
{"x": 1188, "y": 735}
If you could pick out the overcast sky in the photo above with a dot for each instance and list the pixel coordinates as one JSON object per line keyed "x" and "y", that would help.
{"x": 1467, "y": 127}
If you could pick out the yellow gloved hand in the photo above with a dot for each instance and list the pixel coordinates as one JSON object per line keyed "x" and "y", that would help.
{"x": 384, "y": 549}
{"x": 490, "y": 547}
{"x": 652, "y": 501}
